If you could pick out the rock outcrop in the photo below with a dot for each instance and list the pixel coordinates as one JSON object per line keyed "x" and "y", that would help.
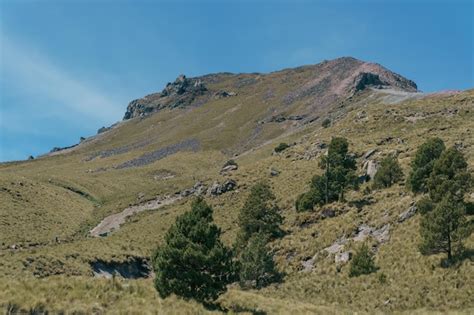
{"x": 180, "y": 93}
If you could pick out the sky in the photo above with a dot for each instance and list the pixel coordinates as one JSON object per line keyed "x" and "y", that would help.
{"x": 69, "y": 67}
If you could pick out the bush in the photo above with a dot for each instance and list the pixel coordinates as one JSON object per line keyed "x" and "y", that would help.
{"x": 362, "y": 263}
{"x": 193, "y": 262}
{"x": 326, "y": 123}
{"x": 260, "y": 214}
{"x": 389, "y": 173}
{"x": 281, "y": 147}
{"x": 257, "y": 268}
{"x": 305, "y": 201}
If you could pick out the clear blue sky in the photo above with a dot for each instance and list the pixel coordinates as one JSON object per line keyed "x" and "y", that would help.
{"x": 70, "y": 67}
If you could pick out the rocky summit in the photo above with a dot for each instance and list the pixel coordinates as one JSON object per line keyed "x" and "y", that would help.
{"x": 306, "y": 173}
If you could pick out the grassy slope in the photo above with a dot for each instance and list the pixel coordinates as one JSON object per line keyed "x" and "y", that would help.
{"x": 47, "y": 207}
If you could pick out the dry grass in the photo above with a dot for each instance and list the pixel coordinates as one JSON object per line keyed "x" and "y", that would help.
{"x": 44, "y": 207}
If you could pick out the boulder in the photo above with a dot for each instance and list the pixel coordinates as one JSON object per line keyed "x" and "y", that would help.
{"x": 342, "y": 258}
{"x": 363, "y": 232}
{"x": 370, "y": 168}
{"x": 229, "y": 168}
{"x": 408, "y": 213}
{"x": 218, "y": 189}
{"x": 274, "y": 172}
{"x": 328, "y": 213}
{"x": 382, "y": 235}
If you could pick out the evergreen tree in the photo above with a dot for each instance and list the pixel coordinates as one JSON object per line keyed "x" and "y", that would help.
{"x": 260, "y": 214}
{"x": 443, "y": 223}
{"x": 193, "y": 262}
{"x": 362, "y": 263}
{"x": 449, "y": 176}
{"x": 257, "y": 268}
{"x": 443, "y": 228}
{"x": 339, "y": 170}
{"x": 388, "y": 174}
{"x": 422, "y": 164}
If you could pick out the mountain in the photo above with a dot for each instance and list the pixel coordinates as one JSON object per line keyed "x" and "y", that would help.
{"x": 102, "y": 206}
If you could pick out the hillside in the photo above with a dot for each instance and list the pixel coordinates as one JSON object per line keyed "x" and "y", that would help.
{"x": 173, "y": 144}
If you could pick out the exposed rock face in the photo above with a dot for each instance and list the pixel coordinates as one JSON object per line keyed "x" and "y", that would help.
{"x": 181, "y": 93}
{"x": 135, "y": 268}
{"x": 370, "y": 168}
{"x": 218, "y": 189}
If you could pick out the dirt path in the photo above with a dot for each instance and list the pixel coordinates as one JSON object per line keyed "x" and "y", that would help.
{"x": 113, "y": 222}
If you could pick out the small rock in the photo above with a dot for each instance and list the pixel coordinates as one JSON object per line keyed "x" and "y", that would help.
{"x": 274, "y": 172}
{"x": 342, "y": 258}
{"x": 328, "y": 213}
{"x": 382, "y": 235}
{"x": 407, "y": 214}
{"x": 369, "y": 154}
{"x": 229, "y": 168}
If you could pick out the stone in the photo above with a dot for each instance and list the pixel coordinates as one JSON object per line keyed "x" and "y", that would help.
{"x": 274, "y": 172}
{"x": 199, "y": 189}
{"x": 328, "y": 213}
{"x": 229, "y": 168}
{"x": 382, "y": 235}
{"x": 218, "y": 189}
{"x": 370, "y": 168}
{"x": 342, "y": 258}
{"x": 308, "y": 264}
{"x": 369, "y": 153}
{"x": 363, "y": 232}
{"x": 337, "y": 247}
{"x": 411, "y": 211}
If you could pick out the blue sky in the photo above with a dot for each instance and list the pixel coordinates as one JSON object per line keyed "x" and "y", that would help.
{"x": 69, "y": 67}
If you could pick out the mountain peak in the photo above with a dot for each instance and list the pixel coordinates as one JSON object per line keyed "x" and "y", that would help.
{"x": 321, "y": 85}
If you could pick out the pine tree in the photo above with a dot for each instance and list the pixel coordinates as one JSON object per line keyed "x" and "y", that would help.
{"x": 193, "y": 262}
{"x": 443, "y": 223}
{"x": 257, "y": 268}
{"x": 260, "y": 214}
{"x": 443, "y": 228}
{"x": 389, "y": 173}
{"x": 362, "y": 263}
{"x": 422, "y": 164}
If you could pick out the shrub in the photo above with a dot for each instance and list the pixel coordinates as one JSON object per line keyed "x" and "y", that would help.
{"x": 193, "y": 262}
{"x": 422, "y": 164}
{"x": 326, "y": 123}
{"x": 257, "y": 268}
{"x": 389, "y": 173}
{"x": 362, "y": 263}
{"x": 281, "y": 147}
{"x": 260, "y": 214}
{"x": 305, "y": 201}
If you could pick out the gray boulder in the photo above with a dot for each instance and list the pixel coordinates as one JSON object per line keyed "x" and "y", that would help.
{"x": 408, "y": 213}
{"x": 342, "y": 258}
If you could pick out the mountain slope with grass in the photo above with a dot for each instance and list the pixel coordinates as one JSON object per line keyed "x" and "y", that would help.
{"x": 172, "y": 145}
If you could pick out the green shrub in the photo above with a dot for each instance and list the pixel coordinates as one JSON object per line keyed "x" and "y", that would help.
{"x": 305, "y": 201}
{"x": 388, "y": 174}
{"x": 256, "y": 266}
{"x": 193, "y": 262}
{"x": 362, "y": 263}
{"x": 326, "y": 123}
{"x": 281, "y": 147}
